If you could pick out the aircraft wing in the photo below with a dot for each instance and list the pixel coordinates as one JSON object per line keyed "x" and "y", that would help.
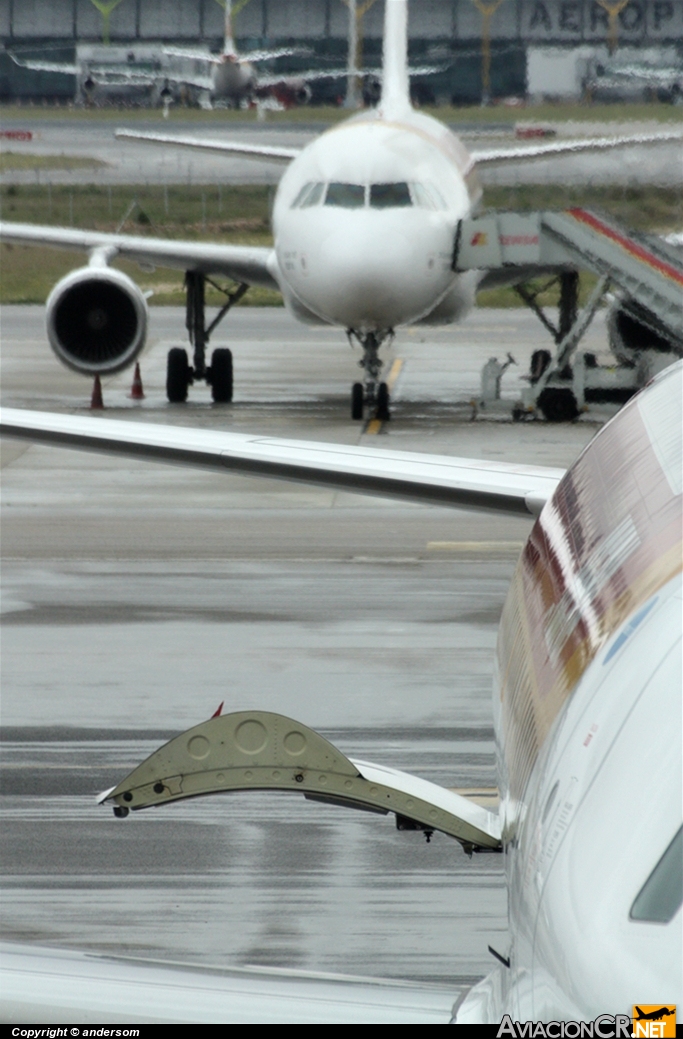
{"x": 431, "y": 479}
{"x": 217, "y": 59}
{"x": 200, "y": 82}
{"x": 46, "y": 66}
{"x": 539, "y": 151}
{"x": 193, "y": 55}
{"x": 251, "y": 264}
{"x": 307, "y": 76}
{"x": 58, "y": 985}
{"x": 254, "y": 151}
{"x": 284, "y": 52}
{"x": 123, "y": 78}
{"x": 340, "y": 73}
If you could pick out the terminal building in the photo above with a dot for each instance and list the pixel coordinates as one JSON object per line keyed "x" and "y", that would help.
{"x": 537, "y": 46}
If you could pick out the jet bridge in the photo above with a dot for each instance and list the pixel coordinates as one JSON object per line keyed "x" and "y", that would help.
{"x": 643, "y": 274}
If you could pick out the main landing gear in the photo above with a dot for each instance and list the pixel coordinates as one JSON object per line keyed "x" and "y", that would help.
{"x": 371, "y": 395}
{"x": 556, "y": 402}
{"x": 219, "y": 376}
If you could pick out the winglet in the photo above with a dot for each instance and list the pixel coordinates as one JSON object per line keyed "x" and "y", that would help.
{"x": 395, "y": 81}
{"x": 217, "y": 714}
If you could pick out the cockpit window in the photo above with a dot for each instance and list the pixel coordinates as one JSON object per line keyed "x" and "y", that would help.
{"x": 310, "y": 195}
{"x": 661, "y": 895}
{"x": 314, "y": 197}
{"x": 389, "y": 196}
{"x": 348, "y": 196}
{"x": 428, "y": 196}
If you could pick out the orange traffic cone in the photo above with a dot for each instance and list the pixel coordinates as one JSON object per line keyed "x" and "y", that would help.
{"x": 96, "y": 402}
{"x": 136, "y": 390}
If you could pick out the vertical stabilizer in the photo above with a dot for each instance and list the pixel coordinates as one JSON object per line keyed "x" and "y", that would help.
{"x": 229, "y": 43}
{"x": 395, "y": 80}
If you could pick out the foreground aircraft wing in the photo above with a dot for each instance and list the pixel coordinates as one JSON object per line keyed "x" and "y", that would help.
{"x": 254, "y": 265}
{"x": 432, "y": 479}
{"x": 540, "y": 151}
{"x": 47, "y": 985}
{"x": 254, "y": 151}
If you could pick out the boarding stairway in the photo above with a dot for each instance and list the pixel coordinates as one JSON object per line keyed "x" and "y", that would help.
{"x": 644, "y": 273}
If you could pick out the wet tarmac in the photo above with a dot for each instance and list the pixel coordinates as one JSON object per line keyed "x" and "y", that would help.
{"x": 137, "y": 597}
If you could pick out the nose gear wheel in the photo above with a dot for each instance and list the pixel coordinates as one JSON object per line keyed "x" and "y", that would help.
{"x": 371, "y": 394}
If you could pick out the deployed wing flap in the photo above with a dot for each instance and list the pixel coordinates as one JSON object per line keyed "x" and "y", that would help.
{"x": 254, "y": 265}
{"x": 247, "y": 151}
{"x": 589, "y": 144}
{"x": 408, "y": 476}
{"x": 258, "y": 750}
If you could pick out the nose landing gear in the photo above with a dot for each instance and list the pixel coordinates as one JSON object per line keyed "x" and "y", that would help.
{"x": 371, "y": 395}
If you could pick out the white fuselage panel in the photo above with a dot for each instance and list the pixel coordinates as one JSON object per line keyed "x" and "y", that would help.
{"x": 368, "y": 267}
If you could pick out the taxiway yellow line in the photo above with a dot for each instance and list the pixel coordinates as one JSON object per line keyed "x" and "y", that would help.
{"x": 394, "y": 373}
{"x": 375, "y": 424}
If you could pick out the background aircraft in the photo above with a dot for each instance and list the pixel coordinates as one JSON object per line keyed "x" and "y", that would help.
{"x": 231, "y": 76}
{"x": 227, "y": 77}
{"x": 366, "y": 221}
{"x": 586, "y": 709}
{"x": 628, "y": 79}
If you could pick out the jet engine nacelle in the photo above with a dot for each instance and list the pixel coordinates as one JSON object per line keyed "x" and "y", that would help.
{"x": 632, "y": 331}
{"x": 96, "y": 320}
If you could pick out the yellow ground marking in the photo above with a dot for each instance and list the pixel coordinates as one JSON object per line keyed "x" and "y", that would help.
{"x": 475, "y": 546}
{"x": 394, "y": 373}
{"x": 375, "y": 424}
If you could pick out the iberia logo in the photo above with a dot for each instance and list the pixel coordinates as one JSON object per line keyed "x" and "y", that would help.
{"x": 479, "y": 238}
{"x": 654, "y": 1021}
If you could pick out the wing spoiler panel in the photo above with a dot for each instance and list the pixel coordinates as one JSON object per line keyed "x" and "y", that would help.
{"x": 259, "y": 750}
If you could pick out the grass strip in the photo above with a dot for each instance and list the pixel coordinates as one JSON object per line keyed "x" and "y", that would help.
{"x": 26, "y": 161}
{"x": 561, "y": 112}
{"x": 240, "y": 216}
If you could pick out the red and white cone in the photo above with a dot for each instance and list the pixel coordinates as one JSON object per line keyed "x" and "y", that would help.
{"x": 96, "y": 402}
{"x": 136, "y": 390}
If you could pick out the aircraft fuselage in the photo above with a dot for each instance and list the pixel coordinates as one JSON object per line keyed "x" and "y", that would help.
{"x": 587, "y": 713}
{"x": 232, "y": 78}
{"x": 365, "y": 220}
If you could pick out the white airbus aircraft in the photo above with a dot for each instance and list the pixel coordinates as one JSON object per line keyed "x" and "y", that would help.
{"x": 587, "y": 716}
{"x": 364, "y": 222}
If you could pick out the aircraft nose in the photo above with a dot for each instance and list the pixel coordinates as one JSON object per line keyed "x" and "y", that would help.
{"x": 365, "y": 279}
